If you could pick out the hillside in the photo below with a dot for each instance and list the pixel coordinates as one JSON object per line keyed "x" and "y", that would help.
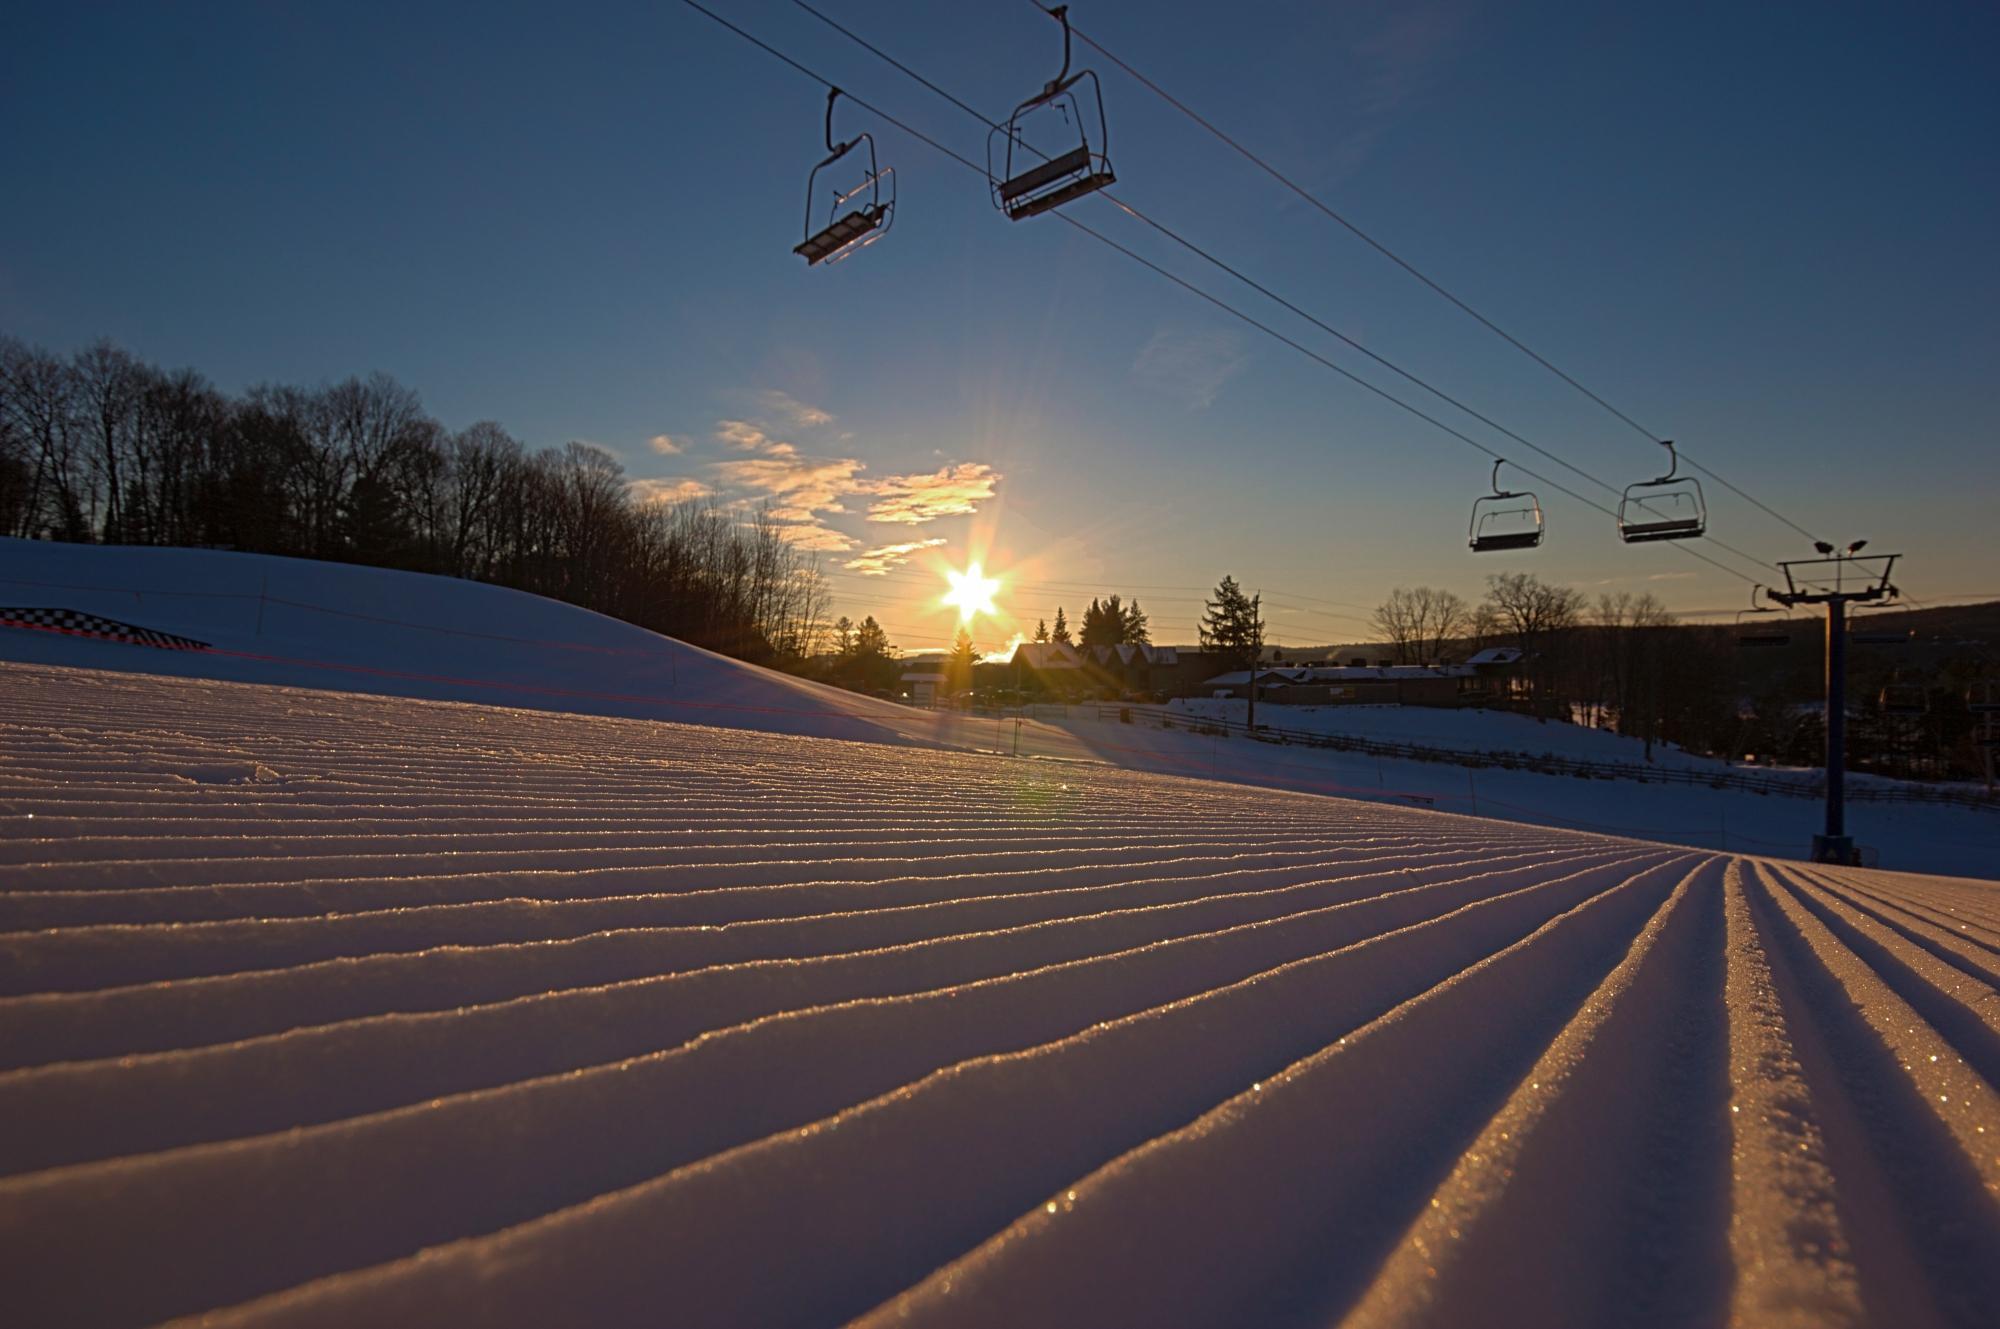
{"x": 360, "y": 629}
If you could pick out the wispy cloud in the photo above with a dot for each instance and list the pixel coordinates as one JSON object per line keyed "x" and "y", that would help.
{"x": 804, "y": 485}
{"x": 800, "y": 487}
{"x": 800, "y": 415}
{"x": 878, "y": 561}
{"x": 1191, "y": 367}
{"x": 912, "y": 500}
{"x": 1388, "y": 67}
{"x": 816, "y": 537}
{"x": 747, "y": 437}
{"x": 669, "y": 489}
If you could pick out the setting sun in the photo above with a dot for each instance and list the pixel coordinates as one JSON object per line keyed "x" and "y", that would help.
{"x": 971, "y": 591}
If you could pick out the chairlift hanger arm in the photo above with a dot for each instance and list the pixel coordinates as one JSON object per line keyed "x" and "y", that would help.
{"x": 1058, "y": 83}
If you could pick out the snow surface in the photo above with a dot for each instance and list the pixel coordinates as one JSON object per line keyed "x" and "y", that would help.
{"x": 331, "y": 1009}
{"x": 339, "y": 626}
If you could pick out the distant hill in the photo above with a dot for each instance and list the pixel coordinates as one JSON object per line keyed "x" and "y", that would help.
{"x": 1945, "y": 624}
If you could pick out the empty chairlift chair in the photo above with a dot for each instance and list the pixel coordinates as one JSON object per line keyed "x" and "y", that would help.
{"x": 848, "y": 233}
{"x": 1860, "y": 632}
{"x": 1669, "y": 508}
{"x": 1027, "y": 182}
{"x": 1761, "y": 634}
{"x": 1899, "y": 698}
{"x": 1504, "y": 519}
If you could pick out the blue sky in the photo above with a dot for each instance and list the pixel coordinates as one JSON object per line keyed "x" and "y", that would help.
{"x": 1764, "y": 230}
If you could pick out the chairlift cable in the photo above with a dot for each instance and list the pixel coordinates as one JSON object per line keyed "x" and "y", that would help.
{"x": 1219, "y": 303}
{"x": 1260, "y": 288}
{"x": 1413, "y": 270}
{"x": 1197, "y": 250}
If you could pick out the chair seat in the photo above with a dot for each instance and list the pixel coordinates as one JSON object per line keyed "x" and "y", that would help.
{"x": 839, "y": 235}
{"x": 1678, "y": 528}
{"x": 1070, "y": 163}
{"x": 1483, "y": 544}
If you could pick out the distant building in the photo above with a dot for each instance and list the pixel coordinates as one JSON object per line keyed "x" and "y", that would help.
{"x": 925, "y": 684}
{"x": 1059, "y": 669}
{"x": 1359, "y": 685}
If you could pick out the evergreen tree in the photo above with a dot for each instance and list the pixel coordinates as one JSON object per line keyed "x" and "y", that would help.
{"x": 1104, "y": 622}
{"x": 1233, "y": 625}
{"x": 1060, "y": 632}
{"x": 870, "y": 641}
{"x": 1135, "y": 625}
{"x": 843, "y": 637}
{"x": 958, "y": 665}
{"x": 1041, "y": 630}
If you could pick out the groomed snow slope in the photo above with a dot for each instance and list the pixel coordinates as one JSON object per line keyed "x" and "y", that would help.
{"x": 339, "y": 1010}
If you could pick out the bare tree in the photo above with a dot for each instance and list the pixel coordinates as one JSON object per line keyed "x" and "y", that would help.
{"x": 1419, "y": 620}
{"x": 1540, "y": 616}
{"x": 481, "y": 458}
{"x": 108, "y": 382}
{"x": 1532, "y": 608}
{"x": 38, "y": 394}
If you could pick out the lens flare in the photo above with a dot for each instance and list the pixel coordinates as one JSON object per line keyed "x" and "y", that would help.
{"x": 972, "y": 592}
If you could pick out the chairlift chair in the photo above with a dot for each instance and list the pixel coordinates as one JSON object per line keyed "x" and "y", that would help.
{"x": 1669, "y": 508}
{"x": 1859, "y": 634}
{"x": 1905, "y": 698}
{"x": 1495, "y": 528}
{"x": 1773, "y": 634}
{"x": 1022, "y": 191}
{"x": 847, "y": 234}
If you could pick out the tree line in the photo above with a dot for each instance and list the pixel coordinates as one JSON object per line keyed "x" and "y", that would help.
{"x": 1616, "y": 663}
{"x": 101, "y": 446}
{"x": 1108, "y": 621}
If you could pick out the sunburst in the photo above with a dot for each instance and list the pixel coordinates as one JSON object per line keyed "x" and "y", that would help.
{"x": 971, "y": 591}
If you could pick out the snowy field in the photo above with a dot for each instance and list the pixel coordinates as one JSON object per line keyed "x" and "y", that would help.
{"x": 1917, "y": 837}
{"x": 1466, "y": 730}
{"x": 326, "y": 1009}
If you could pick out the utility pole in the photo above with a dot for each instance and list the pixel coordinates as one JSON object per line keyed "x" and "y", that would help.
{"x": 1807, "y": 586}
{"x": 1256, "y": 655}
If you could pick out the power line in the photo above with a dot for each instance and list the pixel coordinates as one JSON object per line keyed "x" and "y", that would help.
{"x": 1219, "y": 303}
{"x": 1412, "y": 269}
{"x": 1273, "y": 296}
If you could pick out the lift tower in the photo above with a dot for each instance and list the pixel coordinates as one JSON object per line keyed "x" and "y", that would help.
{"x": 1823, "y": 580}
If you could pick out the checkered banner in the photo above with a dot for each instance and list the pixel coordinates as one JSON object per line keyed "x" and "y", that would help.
{"x": 90, "y": 625}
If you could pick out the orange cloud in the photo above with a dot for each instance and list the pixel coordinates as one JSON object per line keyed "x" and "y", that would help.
{"x": 815, "y": 537}
{"x": 668, "y": 489}
{"x": 808, "y": 484}
{"x": 912, "y": 500}
{"x": 801, "y": 415}
{"x": 666, "y": 446}
{"x": 747, "y": 437}
{"x": 877, "y": 562}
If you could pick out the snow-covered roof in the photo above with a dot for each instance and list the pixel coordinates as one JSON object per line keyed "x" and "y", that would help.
{"x": 1364, "y": 673}
{"x": 1063, "y": 655}
{"x": 1339, "y": 674}
{"x": 1047, "y": 655}
{"x": 1497, "y": 655}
